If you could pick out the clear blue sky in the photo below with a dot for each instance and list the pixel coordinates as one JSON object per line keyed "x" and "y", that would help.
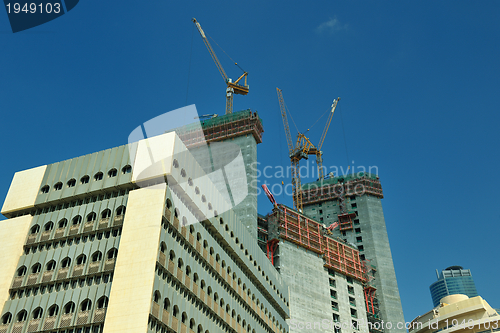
{"x": 419, "y": 83}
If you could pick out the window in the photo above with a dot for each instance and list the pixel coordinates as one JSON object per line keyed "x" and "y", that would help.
{"x": 335, "y": 306}
{"x": 113, "y": 253}
{"x": 48, "y": 226}
{"x": 86, "y": 305}
{"x": 355, "y": 324}
{"x": 126, "y": 169}
{"x": 81, "y": 259}
{"x": 120, "y": 210}
{"x": 91, "y": 217}
{"x": 354, "y": 205}
{"x": 357, "y": 230}
{"x": 356, "y": 222}
{"x": 36, "y": 268}
{"x": 166, "y": 304}
{"x": 58, "y": 186}
{"x": 53, "y": 310}
{"x": 361, "y": 247}
{"x": 112, "y": 173}
{"x": 62, "y": 224}
{"x": 77, "y": 220}
{"x": 362, "y": 256}
{"x": 65, "y": 262}
{"x": 35, "y": 229}
{"x": 21, "y": 316}
{"x": 333, "y": 294}
{"x": 69, "y": 308}
{"x": 106, "y": 213}
{"x": 85, "y": 179}
{"x": 157, "y": 297}
{"x": 102, "y": 302}
{"x": 359, "y": 239}
{"x": 349, "y": 280}
{"x": 37, "y": 313}
{"x": 354, "y": 313}
{"x": 336, "y": 318}
{"x": 352, "y": 301}
{"x": 321, "y": 211}
{"x": 45, "y": 189}
{"x": 6, "y": 318}
{"x": 21, "y": 271}
{"x": 350, "y": 290}
{"x": 97, "y": 256}
{"x": 98, "y": 176}
{"x": 51, "y": 265}
{"x": 332, "y": 283}
{"x": 71, "y": 182}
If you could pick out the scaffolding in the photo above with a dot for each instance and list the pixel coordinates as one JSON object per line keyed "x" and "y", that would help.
{"x": 309, "y": 234}
{"x": 345, "y": 221}
{"x": 220, "y": 128}
{"x": 336, "y": 188}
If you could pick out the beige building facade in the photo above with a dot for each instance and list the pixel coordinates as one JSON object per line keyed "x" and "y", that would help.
{"x": 458, "y": 313}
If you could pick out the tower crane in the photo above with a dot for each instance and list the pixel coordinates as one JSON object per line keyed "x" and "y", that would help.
{"x": 302, "y": 149}
{"x": 232, "y": 87}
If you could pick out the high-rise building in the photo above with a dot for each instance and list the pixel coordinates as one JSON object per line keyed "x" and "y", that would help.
{"x": 94, "y": 244}
{"x": 452, "y": 280}
{"x": 351, "y": 207}
{"x": 325, "y": 275}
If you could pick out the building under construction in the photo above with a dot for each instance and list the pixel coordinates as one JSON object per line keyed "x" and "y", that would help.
{"x": 350, "y": 208}
{"x": 326, "y": 277}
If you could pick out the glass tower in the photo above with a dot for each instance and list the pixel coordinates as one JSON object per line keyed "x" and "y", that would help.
{"x": 452, "y": 280}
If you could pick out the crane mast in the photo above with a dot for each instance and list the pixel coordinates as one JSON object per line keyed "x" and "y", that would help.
{"x": 302, "y": 149}
{"x": 232, "y": 87}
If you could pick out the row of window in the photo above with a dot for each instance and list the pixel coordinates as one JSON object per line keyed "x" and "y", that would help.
{"x": 90, "y": 237}
{"x": 66, "y": 262}
{"x": 91, "y": 217}
{"x": 195, "y": 278}
{"x": 217, "y": 257}
{"x": 69, "y": 308}
{"x": 218, "y": 300}
{"x": 86, "y": 179}
{"x": 75, "y": 283}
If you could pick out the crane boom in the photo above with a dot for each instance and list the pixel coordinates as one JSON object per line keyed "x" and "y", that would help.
{"x": 285, "y": 120}
{"x": 319, "y": 153}
{"x": 232, "y": 87}
{"x": 330, "y": 116}
{"x": 210, "y": 50}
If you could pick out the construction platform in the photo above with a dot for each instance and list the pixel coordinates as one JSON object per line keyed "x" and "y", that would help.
{"x": 220, "y": 128}
{"x": 287, "y": 224}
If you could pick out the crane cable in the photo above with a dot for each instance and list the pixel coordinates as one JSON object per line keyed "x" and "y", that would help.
{"x": 225, "y": 52}
{"x": 345, "y": 141}
{"x": 319, "y": 118}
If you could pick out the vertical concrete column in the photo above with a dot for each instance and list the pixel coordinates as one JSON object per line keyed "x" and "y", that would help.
{"x": 13, "y": 234}
{"x": 132, "y": 288}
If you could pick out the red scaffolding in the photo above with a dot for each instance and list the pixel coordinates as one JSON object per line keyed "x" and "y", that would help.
{"x": 307, "y": 233}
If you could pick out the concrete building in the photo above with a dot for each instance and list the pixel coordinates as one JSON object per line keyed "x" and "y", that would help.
{"x": 458, "y": 314}
{"x": 326, "y": 276}
{"x": 103, "y": 243}
{"x": 351, "y": 207}
{"x": 452, "y": 280}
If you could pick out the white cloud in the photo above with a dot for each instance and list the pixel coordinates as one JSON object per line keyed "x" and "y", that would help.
{"x": 331, "y": 26}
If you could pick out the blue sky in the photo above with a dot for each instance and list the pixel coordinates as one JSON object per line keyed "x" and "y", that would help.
{"x": 419, "y": 84}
